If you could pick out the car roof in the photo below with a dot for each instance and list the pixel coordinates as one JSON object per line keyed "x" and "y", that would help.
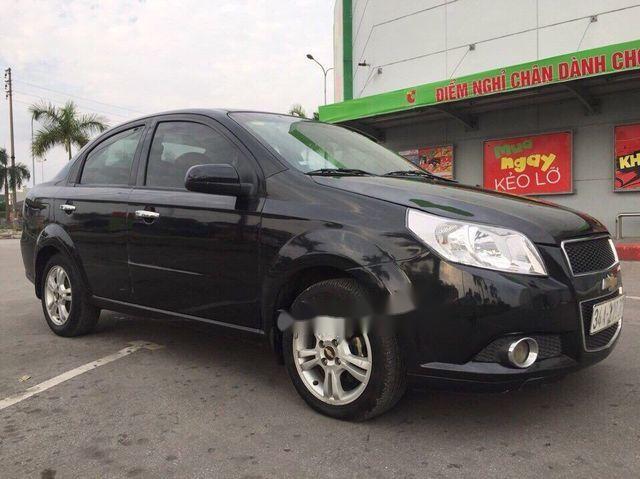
{"x": 210, "y": 112}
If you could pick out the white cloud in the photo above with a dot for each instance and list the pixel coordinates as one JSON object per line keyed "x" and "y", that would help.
{"x": 150, "y": 56}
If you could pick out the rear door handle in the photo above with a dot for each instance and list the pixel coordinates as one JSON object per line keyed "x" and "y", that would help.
{"x": 147, "y": 215}
{"x": 67, "y": 208}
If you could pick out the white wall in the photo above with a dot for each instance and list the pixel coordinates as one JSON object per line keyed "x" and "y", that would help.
{"x": 422, "y": 41}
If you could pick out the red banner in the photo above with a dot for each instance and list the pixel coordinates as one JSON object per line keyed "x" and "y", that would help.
{"x": 529, "y": 165}
{"x": 434, "y": 159}
{"x": 626, "y": 174}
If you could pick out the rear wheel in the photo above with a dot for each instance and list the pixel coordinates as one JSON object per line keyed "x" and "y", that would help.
{"x": 65, "y": 302}
{"x": 339, "y": 365}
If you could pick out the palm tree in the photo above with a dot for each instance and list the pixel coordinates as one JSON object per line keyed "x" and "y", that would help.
{"x": 297, "y": 110}
{"x": 11, "y": 177}
{"x": 63, "y": 126}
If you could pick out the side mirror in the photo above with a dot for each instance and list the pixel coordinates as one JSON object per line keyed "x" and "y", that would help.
{"x": 218, "y": 179}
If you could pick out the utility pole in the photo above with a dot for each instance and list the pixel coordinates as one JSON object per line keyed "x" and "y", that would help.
{"x": 33, "y": 160}
{"x": 9, "y": 95}
{"x": 41, "y": 161}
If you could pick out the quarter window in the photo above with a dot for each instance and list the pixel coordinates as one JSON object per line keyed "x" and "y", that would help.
{"x": 110, "y": 162}
{"x": 177, "y": 146}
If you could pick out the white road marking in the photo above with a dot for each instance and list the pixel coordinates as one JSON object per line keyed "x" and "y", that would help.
{"x": 38, "y": 388}
{"x": 637, "y": 298}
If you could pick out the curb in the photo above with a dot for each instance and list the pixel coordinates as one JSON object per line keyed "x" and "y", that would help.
{"x": 628, "y": 251}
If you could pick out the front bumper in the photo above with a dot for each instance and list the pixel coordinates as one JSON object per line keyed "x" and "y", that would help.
{"x": 458, "y": 311}
{"x": 497, "y": 377}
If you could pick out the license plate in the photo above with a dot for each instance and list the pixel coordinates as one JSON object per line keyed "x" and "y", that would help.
{"x": 606, "y": 314}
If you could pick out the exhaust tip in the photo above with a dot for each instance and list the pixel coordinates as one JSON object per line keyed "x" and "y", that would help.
{"x": 522, "y": 353}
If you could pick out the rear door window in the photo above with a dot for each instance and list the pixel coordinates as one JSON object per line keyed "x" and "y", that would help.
{"x": 110, "y": 162}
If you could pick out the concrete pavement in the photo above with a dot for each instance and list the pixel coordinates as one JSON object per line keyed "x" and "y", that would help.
{"x": 211, "y": 404}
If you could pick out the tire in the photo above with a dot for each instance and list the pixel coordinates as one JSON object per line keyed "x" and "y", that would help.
{"x": 77, "y": 316}
{"x": 384, "y": 369}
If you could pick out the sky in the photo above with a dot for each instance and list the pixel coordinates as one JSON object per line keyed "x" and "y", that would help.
{"x": 123, "y": 59}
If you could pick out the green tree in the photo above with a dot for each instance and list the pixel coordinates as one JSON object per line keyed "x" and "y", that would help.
{"x": 11, "y": 177}
{"x": 297, "y": 110}
{"x": 63, "y": 126}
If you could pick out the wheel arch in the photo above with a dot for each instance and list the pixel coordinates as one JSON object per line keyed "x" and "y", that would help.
{"x": 282, "y": 287}
{"x": 53, "y": 240}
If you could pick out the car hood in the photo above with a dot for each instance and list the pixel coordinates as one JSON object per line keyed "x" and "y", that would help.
{"x": 542, "y": 222}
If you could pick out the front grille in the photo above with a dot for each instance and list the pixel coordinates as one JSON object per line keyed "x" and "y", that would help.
{"x": 589, "y": 255}
{"x": 601, "y": 339}
{"x": 549, "y": 346}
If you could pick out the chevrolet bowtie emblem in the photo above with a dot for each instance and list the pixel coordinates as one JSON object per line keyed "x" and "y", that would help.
{"x": 609, "y": 282}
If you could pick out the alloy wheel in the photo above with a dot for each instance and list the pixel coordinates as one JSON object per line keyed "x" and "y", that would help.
{"x": 334, "y": 368}
{"x": 58, "y": 295}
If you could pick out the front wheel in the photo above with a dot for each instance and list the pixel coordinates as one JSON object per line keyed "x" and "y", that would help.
{"x": 341, "y": 367}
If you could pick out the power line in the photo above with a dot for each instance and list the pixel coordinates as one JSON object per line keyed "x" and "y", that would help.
{"x": 60, "y": 102}
{"x": 78, "y": 97}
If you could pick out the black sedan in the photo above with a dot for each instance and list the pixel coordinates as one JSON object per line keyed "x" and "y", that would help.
{"x": 362, "y": 270}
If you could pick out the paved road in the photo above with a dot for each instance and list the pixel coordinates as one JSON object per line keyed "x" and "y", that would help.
{"x": 215, "y": 405}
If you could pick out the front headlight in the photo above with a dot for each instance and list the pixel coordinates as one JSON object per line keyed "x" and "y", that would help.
{"x": 477, "y": 245}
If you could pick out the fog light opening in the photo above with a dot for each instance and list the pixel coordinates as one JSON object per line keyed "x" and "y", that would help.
{"x": 522, "y": 353}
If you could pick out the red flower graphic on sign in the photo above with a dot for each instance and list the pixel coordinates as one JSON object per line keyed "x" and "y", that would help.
{"x": 411, "y": 96}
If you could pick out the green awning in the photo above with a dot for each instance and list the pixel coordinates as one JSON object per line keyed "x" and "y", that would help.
{"x": 562, "y": 68}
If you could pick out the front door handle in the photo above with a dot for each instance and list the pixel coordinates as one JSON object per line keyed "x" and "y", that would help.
{"x": 147, "y": 215}
{"x": 67, "y": 208}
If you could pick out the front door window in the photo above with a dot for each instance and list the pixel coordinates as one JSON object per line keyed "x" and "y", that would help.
{"x": 179, "y": 145}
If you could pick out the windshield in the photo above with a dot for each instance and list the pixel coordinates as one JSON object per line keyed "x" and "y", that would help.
{"x": 310, "y": 146}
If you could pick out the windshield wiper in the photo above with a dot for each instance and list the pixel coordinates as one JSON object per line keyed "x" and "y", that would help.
{"x": 418, "y": 173}
{"x": 337, "y": 171}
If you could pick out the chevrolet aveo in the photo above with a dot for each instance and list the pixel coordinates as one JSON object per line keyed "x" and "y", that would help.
{"x": 362, "y": 270}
